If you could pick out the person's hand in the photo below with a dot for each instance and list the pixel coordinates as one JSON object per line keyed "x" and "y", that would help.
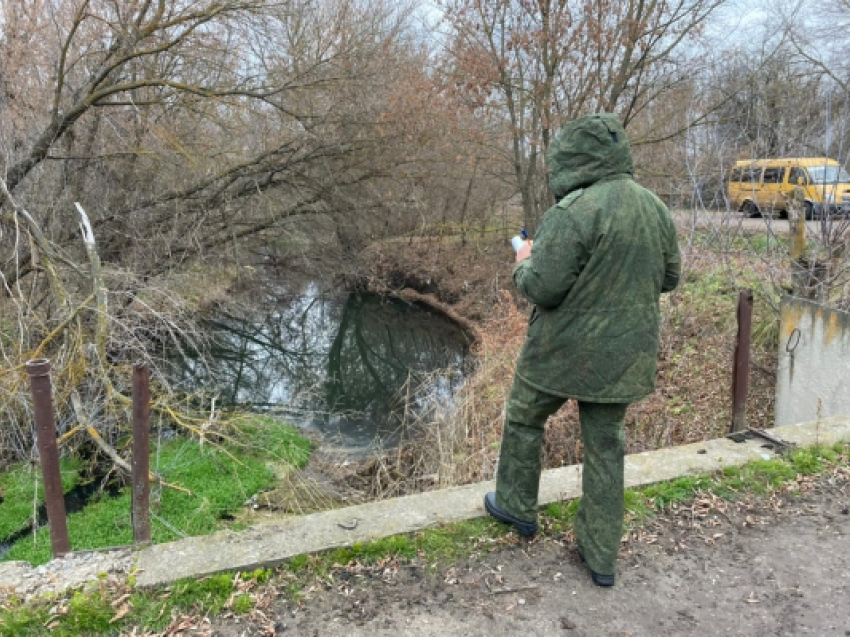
{"x": 524, "y": 252}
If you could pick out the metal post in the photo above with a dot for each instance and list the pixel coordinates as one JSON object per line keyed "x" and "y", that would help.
{"x": 800, "y": 277}
{"x": 48, "y": 452}
{"x": 141, "y": 451}
{"x": 741, "y": 369}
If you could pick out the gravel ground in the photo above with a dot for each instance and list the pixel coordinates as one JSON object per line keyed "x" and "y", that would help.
{"x": 75, "y": 570}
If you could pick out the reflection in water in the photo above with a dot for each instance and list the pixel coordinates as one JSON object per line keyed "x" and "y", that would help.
{"x": 344, "y": 365}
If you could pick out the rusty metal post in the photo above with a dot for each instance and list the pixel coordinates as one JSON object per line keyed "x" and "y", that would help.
{"x": 741, "y": 368}
{"x": 141, "y": 455}
{"x": 48, "y": 452}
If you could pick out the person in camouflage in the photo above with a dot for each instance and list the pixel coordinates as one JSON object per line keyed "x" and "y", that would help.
{"x": 595, "y": 271}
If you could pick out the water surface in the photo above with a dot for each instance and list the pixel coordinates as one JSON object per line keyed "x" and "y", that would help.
{"x": 346, "y": 365}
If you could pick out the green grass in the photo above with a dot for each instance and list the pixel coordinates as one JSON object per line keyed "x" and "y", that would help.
{"x": 81, "y": 614}
{"x": 440, "y": 544}
{"x": 561, "y": 515}
{"x": 266, "y": 436}
{"x": 758, "y": 476}
{"x": 21, "y": 485}
{"x": 711, "y": 292}
{"x": 662, "y": 495}
{"x": 716, "y": 286}
{"x": 220, "y": 479}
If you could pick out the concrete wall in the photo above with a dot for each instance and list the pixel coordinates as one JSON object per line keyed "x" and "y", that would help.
{"x": 813, "y": 379}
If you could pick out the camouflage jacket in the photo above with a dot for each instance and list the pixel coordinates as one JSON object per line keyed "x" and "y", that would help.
{"x": 600, "y": 260}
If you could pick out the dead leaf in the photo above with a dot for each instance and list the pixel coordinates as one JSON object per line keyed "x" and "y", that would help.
{"x": 121, "y": 614}
{"x": 118, "y": 602}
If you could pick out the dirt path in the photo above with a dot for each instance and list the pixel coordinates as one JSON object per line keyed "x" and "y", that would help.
{"x": 769, "y": 566}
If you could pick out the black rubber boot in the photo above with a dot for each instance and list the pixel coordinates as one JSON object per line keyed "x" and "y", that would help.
{"x": 598, "y": 578}
{"x": 525, "y": 529}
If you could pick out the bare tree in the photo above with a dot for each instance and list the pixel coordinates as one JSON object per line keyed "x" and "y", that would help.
{"x": 540, "y": 63}
{"x": 184, "y": 118}
{"x": 184, "y": 130}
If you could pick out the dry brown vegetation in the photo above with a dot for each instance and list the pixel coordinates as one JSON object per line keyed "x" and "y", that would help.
{"x": 692, "y": 401}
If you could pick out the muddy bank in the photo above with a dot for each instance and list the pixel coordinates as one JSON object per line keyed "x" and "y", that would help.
{"x": 464, "y": 278}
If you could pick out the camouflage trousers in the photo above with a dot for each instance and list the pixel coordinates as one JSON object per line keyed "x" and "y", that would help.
{"x": 599, "y": 522}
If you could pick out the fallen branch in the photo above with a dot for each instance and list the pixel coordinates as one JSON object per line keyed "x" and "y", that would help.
{"x": 43, "y": 250}
{"x": 516, "y": 589}
{"x": 469, "y": 328}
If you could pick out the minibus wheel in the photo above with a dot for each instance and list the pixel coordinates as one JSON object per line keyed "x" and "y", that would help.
{"x": 810, "y": 214}
{"x": 750, "y": 209}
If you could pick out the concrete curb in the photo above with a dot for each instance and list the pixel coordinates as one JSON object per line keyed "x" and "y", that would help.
{"x": 270, "y": 545}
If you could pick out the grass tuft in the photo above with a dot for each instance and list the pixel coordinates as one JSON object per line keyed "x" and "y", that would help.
{"x": 664, "y": 494}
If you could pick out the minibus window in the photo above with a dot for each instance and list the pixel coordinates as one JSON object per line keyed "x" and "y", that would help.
{"x": 773, "y": 175}
{"x": 750, "y": 175}
{"x": 828, "y": 174}
{"x": 797, "y": 177}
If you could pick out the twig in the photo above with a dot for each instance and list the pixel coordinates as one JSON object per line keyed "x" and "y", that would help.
{"x": 168, "y": 525}
{"x": 61, "y": 327}
{"x": 68, "y": 435}
{"x": 158, "y": 478}
{"x": 516, "y": 589}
